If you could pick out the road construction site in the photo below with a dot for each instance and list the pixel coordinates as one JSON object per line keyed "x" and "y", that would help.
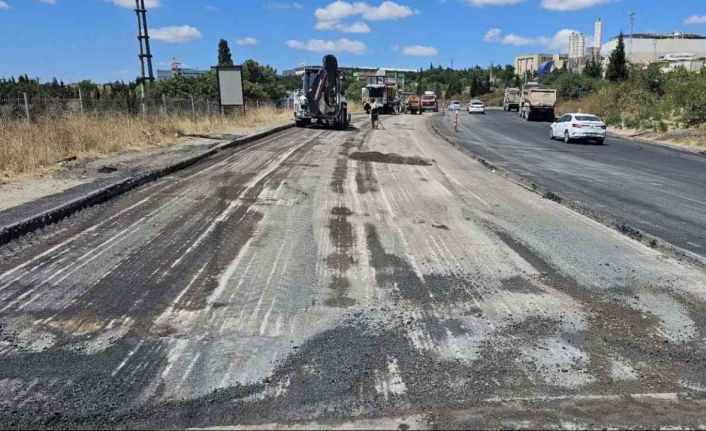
{"x": 361, "y": 278}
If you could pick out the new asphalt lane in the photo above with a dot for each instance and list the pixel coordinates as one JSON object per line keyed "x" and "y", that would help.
{"x": 654, "y": 189}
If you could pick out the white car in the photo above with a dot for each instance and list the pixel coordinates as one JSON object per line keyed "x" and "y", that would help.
{"x": 455, "y": 105}
{"x": 579, "y": 127}
{"x": 476, "y": 107}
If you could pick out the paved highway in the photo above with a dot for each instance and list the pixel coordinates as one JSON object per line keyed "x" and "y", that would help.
{"x": 367, "y": 278}
{"x": 655, "y": 190}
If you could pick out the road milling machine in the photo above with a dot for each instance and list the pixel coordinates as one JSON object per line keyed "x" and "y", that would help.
{"x": 321, "y": 99}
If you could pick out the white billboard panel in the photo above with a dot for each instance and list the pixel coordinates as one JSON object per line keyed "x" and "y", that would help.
{"x": 230, "y": 85}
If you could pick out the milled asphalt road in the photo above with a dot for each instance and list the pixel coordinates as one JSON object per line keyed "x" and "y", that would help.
{"x": 359, "y": 278}
{"x": 655, "y": 190}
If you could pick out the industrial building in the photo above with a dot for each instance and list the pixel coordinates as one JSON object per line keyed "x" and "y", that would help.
{"x": 539, "y": 63}
{"x": 646, "y": 48}
{"x": 176, "y": 70}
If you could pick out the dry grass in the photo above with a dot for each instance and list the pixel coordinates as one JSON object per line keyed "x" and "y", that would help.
{"x": 30, "y": 149}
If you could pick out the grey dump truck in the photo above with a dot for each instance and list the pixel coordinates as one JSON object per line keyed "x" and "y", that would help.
{"x": 321, "y": 99}
{"x": 512, "y": 99}
{"x": 537, "y": 102}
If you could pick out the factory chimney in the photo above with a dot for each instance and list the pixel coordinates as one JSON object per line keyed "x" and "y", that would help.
{"x": 598, "y": 44}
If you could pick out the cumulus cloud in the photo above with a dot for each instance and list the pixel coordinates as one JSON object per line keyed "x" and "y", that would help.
{"x": 695, "y": 20}
{"x": 4, "y": 5}
{"x": 331, "y": 17}
{"x": 246, "y": 41}
{"x": 569, "y": 5}
{"x": 277, "y": 5}
{"x": 130, "y": 4}
{"x": 558, "y": 42}
{"x": 419, "y": 51}
{"x": 318, "y": 45}
{"x": 175, "y": 34}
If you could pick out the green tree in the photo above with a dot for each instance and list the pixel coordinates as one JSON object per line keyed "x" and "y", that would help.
{"x": 354, "y": 92}
{"x": 224, "y": 56}
{"x": 593, "y": 70}
{"x": 618, "y": 65}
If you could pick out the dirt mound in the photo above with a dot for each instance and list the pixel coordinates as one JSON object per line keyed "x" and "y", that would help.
{"x": 377, "y": 157}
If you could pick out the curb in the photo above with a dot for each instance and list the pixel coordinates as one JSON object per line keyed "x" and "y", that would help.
{"x": 659, "y": 144}
{"x": 623, "y": 228}
{"x": 51, "y": 216}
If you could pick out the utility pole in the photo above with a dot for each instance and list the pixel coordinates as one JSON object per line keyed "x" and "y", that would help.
{"x": 145, "y": 53}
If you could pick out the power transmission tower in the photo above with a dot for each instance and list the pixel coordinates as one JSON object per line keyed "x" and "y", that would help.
{"x": 143, "y": 38}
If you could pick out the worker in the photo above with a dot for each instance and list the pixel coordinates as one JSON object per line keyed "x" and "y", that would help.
{"x": 375, "y": 108}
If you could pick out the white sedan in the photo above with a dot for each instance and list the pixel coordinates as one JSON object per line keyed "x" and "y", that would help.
{"x": 476, "y": 107}
{"x": 579, "y": 126}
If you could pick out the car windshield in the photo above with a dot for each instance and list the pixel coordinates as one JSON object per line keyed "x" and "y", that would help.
{"x": 587, "y": 118}
{"x": 476, "y": 103}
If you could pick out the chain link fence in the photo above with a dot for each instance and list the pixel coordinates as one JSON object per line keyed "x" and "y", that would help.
{"x": 27, "y": 108}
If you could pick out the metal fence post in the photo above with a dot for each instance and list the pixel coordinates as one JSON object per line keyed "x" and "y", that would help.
{"x": 80, "y": 99}
{"x": 208, "y": 108}
{"x": 29, "y": 119}
{"x": 193, "y": 107}
{"x": 164, "y": 102}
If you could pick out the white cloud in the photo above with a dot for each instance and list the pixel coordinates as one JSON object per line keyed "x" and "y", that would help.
{"x": 130, "y": 4}
{"x": 695, "y": 20}
{"x": 51, "y": 2}
{"x": 558, "y": 42}
{"x": 246, "y": 41}
{"x": 318, "y": 45}
{"x": 481, "y": 3}
{"x": 569, "y": 5}
{"x": 276, "y": 5}
{"x": 331, "y": 17}
{"x": 4, "y": 5}
{"x": 175, "y": 34}
{"x": 419, "y": 51}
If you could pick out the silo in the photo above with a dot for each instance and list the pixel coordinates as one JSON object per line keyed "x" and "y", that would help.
{"x": 598, "y": 43}
{"x": 581, "y": 46}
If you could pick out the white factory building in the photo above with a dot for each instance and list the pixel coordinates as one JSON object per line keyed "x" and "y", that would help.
{"x": 674, "y": 49}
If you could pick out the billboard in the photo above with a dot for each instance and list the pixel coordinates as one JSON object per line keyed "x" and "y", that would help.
{"x": 230, "y": 85}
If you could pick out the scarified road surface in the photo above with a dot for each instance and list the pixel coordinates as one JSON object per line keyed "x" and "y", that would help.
{"x": 370, "y": 278}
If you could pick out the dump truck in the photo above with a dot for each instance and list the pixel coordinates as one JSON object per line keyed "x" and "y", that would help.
{"x": 430, "y": 102}
{"x": 512, "y": 99}
{"x": 537, "y": 102}
{"x": 412, "y": 104}
{"x": 321, "y": 98}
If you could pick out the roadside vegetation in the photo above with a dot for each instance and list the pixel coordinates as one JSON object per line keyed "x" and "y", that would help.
{"x": 41, "y": 147}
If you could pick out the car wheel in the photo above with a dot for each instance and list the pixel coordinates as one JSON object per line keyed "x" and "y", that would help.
{"x": 600, "y": 141}
{"x": 566, "y": 137}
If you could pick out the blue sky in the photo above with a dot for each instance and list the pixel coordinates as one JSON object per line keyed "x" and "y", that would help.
{"x": 95, "y": 39}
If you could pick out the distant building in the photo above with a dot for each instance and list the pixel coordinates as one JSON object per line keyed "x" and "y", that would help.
{"x": 538, "y": 63}
{"x": 391, "y": 75}
{"x": 646, "y": 48}
{"x": 188, "y": 73}
{"x": 690, "y": 62}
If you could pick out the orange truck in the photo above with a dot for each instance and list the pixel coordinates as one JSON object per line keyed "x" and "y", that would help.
{"x": 412, "y": 104}
{"x": 430, "y": 102}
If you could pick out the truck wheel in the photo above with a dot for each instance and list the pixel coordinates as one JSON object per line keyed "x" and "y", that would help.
{"x": 298, "y": 123}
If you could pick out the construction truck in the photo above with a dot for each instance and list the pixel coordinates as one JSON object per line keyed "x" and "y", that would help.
{"x": 412, "y": 104}
{"x": 430, "y": 101}
{"x": 537, "y": 102}
{"x": 384, "y": 94}
{"x": 512, "y": 99}
{"x": 321, "y": 99}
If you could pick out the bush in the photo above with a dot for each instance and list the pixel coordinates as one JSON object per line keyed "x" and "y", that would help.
{"x": 662, "y": 126}
{"x": 613, "y": 120}
{"x": 631, "y": 122}
{"x": 695, "y": 114}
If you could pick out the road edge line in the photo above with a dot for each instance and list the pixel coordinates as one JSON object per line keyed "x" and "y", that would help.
{"x": 623, "y": 228}
{"x": 38, "y": 221}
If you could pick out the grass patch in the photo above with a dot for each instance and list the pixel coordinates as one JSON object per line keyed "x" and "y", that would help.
{"x": 30, "y": 149}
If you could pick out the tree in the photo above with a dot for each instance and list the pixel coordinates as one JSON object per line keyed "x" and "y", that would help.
{"x": 355, "y": 90}
{"x": 618, "y": 65}
{"x": 593, "y": 69}
{"x": 224, "y": 56}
